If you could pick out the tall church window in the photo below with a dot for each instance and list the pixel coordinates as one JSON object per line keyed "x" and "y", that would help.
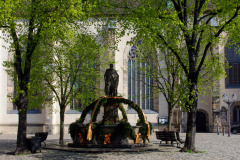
{"x": 140, "y": 85}
{"x": 11, "y": 107}
{"x": 12, "y": 93}
{"x": 233, "y": 73}
{"x": 11, "y": 90}
{"x": 85, "y": 86}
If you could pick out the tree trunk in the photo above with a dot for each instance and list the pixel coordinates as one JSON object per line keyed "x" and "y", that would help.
{"x": 191, "y": 130}
{"x": 191, "y": 121}
{"x": 169, "y": 117}
{"x": 22, "y": 128}
{"x": 62, "y": 111}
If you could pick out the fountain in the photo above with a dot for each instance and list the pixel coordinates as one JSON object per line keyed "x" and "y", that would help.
{"x": 110, "y": 132}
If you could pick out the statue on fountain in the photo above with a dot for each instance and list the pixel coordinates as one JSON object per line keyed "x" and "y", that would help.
{"x": 111, "y": 78}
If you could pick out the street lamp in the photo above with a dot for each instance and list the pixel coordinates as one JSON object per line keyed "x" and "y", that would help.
{"x": 226, "y": 100}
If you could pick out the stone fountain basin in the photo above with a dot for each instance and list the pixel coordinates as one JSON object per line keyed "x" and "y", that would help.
{"x": 118, "y": 141}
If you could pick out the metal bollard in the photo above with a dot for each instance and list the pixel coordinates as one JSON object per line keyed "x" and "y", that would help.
{"x": 223, "y": 130}
{"x": 217, "y": 129}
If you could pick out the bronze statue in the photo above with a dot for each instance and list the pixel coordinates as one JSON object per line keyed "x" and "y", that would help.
{"x": 111, "y": 81}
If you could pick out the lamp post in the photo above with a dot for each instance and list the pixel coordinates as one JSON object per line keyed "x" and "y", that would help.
{"x": 226, "y": 100}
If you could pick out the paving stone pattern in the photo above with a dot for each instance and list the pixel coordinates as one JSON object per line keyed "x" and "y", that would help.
{"x": 214, "y": 146}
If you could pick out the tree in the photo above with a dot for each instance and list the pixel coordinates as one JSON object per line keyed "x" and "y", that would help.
{"x": 168, "y": 75}
{"x": 186, "y": 28}
{"x": 166, "y": 72}
{"x": 26, "y": 21}
{"x": 71, "y": 71}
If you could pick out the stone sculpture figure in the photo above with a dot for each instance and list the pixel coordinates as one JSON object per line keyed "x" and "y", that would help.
{"x": 111, "y": 83}
{"x": 111, "y": 78}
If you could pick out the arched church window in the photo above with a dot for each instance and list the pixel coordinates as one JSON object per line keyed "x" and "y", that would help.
{"x": 233, "y": 73}
{"x": 140, "y": 88}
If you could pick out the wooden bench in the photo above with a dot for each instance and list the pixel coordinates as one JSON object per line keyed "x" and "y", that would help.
{"x": 43, "y": 136}
{"x": 167, "y": 136}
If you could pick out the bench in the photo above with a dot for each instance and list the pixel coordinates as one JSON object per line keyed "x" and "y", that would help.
{"x": 167, "y": 136}
{"x": 43, "y": 136}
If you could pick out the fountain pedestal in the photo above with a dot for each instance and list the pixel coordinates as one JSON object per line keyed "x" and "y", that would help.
{"x": 110, "y": 113}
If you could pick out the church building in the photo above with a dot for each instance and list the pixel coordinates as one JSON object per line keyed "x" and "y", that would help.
{"x": 212, "y": 110}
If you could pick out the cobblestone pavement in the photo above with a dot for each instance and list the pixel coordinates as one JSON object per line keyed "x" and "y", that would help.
{"x": 213, "y": 146}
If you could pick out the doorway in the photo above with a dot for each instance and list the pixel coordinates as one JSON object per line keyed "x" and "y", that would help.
{"x": 201, "y": 122}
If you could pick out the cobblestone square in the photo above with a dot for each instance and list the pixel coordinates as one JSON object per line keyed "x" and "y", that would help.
{"x": 213, "y": 146}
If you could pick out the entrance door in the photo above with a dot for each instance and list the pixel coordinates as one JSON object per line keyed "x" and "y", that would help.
{"x": 201, "y": 122}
